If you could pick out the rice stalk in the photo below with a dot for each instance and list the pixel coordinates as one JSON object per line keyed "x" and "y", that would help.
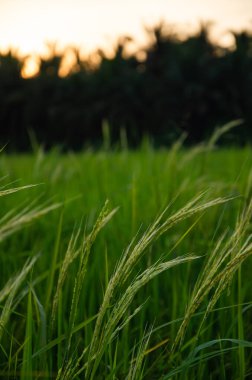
{"x": 222, "y": 130}
{"x": 121, "y": 305}
{"x": 136, "y": 366}
{"x": 12, "y": 291}
{"x": 15, "y": 190}
{"x": 26, "y": 367}
{"x": 71, "y": 254}
{"x": 13, "y": 221}
{"x": 219, "y": 270}
{"x": 134, "y": 253}
{"x": 87, "y": 243}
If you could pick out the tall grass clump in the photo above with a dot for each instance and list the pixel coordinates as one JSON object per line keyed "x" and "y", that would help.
{"x": 82, "y": 306}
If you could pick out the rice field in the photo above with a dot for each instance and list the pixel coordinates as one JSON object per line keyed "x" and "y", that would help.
{"x": 119, "y": 264}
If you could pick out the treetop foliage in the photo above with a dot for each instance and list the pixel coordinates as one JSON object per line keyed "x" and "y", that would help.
{"x": 190, "y": 85}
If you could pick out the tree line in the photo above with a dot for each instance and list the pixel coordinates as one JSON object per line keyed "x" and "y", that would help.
{"x": 190, "y": 85}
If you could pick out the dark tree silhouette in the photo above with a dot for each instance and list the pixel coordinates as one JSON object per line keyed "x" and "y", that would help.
{"x": 189, "y": 85}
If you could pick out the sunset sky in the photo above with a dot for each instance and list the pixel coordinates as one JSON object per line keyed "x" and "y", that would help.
{"x": 27, "y": 24}
{"x": 88, "y": 24}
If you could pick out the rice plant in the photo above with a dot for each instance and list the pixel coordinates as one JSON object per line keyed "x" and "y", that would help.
{"x": 77, "y": 304}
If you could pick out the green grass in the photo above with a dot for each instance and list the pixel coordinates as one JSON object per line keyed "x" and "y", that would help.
{"x": 153, "y": 284}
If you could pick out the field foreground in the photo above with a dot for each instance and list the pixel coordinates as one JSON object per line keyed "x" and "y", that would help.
{"x": 126, "y": 265}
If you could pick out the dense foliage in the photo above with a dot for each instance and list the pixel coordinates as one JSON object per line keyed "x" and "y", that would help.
{"x": 189, "y": 85}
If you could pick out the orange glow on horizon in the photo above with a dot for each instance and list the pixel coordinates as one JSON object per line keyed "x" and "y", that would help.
{"x": 30, "y": 68}
{"x": 31, "y": 65}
